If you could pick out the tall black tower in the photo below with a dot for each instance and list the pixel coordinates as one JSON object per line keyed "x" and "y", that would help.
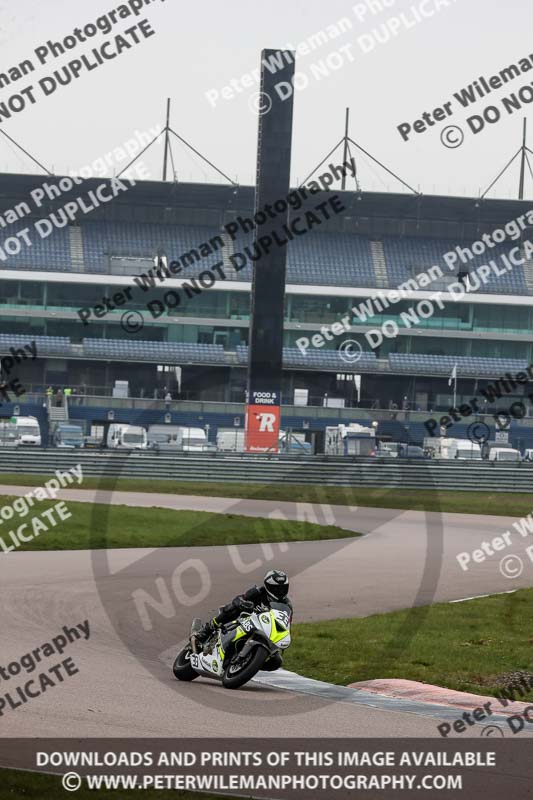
{"x": 268, "y": 285}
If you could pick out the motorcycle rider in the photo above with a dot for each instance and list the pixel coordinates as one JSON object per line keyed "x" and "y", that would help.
{"x": 275, "y": 588}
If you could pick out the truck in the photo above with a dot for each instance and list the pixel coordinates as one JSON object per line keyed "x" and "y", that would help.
{"x": 445, "y": 448}
{"x": 350, "y": 440}
{"x": 27, "y": 431}
{"x": 163, "y": 437}
{"x": 127, "y": 437}
{"x": 67, "y": 435}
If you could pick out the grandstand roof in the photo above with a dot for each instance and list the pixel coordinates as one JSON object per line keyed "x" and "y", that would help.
{"x": 377, "y": 212}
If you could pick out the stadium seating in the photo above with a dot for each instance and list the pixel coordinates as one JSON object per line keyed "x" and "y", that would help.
{"x": 102, "y": 239}
{"x": 443, "y": 365}
{"x": 328, "y": 360}
{"x": 408, "y": 256}
{"x": 46, "y": 345}
{"x": 154, "y": 351}
{"x": 52, "y": 253}
{"x": 336, "y": 259}
{"x": 316, "y": 359}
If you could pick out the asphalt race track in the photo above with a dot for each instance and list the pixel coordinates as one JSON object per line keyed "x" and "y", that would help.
{"x": 124, "y": 686}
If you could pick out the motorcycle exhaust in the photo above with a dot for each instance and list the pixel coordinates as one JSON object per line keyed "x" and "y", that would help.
{"x": 195, "y": 627}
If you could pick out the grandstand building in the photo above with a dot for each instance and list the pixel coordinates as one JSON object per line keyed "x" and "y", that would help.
{"x": 378, "y": 243}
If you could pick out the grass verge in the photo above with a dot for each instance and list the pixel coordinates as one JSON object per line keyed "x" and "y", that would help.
{"x": 462, "y": 646}
{"x": 497, "y": 503}
{"x": 15, "y": 785}
{"x": 127, "y": 526}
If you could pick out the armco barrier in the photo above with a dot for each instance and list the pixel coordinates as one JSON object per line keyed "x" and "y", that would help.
{"x": 393, "y": 473}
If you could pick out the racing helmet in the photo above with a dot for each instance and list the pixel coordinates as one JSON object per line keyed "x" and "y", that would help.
{"x": 276, "y": 584}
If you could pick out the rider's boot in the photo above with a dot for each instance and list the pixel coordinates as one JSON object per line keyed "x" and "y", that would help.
{"x": 205, "y": 632}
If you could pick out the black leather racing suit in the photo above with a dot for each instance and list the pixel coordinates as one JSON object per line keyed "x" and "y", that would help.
{"x": 256, "y": 595}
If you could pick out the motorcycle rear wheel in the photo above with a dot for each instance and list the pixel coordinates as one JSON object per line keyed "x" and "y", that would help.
{"x": 234, "y": 678}
{"x": 182, "y": 666}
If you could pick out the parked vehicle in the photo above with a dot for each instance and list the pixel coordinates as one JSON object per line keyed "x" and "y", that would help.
{"x": 411, "y": 451}
{"x": 163, "y": 437}
{"x": 489, "y": 446}
{"x": 8, "y": 434}
{"x": 389, "y": 449}
{"x": 192, "y": 440}
{"x": 294, "y": 443}
{"x": 28, "y": 432}
{"x": 67, "y": 435}
{"x": 127, "y": 437}
{"x": 350, "y": 440}
{"x": 442, "y": 447}
{"x": 504, "y": 454}
{"x": 93, "y": 442}
{"x": 230, "y": 440}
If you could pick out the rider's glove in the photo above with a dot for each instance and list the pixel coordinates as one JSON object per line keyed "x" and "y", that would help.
{"x": 245, "y": 605}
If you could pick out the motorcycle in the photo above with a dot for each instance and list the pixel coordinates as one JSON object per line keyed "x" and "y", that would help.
{"x": 236, "y": 652}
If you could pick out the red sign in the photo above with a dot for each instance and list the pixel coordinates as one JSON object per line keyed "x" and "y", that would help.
{"x": 262, "y": 429}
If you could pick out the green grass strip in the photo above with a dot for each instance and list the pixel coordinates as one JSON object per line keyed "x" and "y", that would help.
{"x": 462, "y": 646}
{"x": 497, "y": 503}
{"x": 98, "y": 527}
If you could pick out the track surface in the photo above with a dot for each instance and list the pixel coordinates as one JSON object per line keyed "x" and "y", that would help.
{"x": 127, "y": 690}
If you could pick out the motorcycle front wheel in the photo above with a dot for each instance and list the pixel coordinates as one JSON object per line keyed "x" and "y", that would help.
{"x": 182, "y": 666}
{"x": 239, "y": 672}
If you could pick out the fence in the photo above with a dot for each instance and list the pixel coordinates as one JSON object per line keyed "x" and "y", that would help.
{"x": 324, "y": 471}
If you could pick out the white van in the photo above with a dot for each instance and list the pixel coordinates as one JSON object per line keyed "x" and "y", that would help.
{"x": 192, "y": 440}
{"x": 127, "y": 437}
{"x": 163, "y": 437}
{"x": 447, "y": 448}
{"x": 230, "y": 440}
{"x": 27, "y": 431}
{"x": 504, "y": 454}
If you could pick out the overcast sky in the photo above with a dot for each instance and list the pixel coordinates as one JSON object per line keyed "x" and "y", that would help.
{"x": 203, "y": 45}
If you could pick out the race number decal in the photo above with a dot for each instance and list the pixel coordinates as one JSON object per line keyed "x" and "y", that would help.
{"x": 195, "y": 661}
{"x": 247, "y": 624}
{"x": 283, "y": 618}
